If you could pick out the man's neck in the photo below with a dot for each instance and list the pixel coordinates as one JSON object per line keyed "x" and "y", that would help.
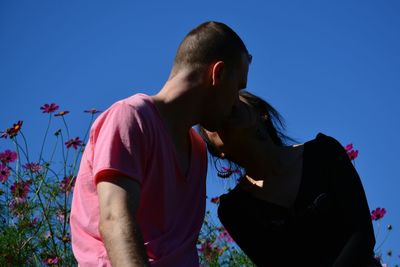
{"x": 179, "y": 102}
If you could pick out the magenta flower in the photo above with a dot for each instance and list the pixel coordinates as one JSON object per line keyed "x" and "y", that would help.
{"x": 74, "y": 143}
{"x": 378, "y": 258}
{"x": 378, "y": 214}
{"x": 92, "y": 111}
{"x": 8, "y": 156}
{"x": 33, "y": 222}
{"x": 210, "y": 250}
{"x": 60, "y": 215}
{"x": 49, "y": 108}
{"x": 4, "y": 173}
{"x": 20, "y": 189}
{"x": 206, "y": 247}
{"x": 349, "y": 147}
{"x": 61, "y": 113}
{"x": 12, "y": 131}
{"x": 33, "y": 167}
{"x": 353, "y": 154}
{"x": 17, "y": 204}
{"x": 51, "y": 261}
{"x": 67, "y": 184}
{"x": 225, "y": 235}
{"x": 30, "y": 224}
{"x": 215, "y": 200}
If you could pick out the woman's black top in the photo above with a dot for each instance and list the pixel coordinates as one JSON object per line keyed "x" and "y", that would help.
{"x": 329, "y": 224}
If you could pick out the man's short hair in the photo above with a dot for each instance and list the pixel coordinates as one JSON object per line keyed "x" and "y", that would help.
{"x": 210, "y": 41}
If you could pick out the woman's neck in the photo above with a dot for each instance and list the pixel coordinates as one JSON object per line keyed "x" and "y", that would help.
{"x": 275, "y": 173}
{"x": 269, "y": 161}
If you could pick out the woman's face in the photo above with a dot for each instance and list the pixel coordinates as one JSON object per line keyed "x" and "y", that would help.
{"x": 236, "y": 133}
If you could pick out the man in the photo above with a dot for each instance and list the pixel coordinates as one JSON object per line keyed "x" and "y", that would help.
{"x": 139, "y": 197}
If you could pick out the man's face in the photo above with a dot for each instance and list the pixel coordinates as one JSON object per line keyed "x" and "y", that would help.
{"x": 226, "y": 94}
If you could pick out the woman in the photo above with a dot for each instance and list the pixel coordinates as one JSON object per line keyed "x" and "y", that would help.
{"x": 297, "y": 205}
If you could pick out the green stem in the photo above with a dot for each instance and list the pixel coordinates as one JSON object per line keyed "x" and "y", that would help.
{"x": 386, "y": 236}
{"x": 44, "y": 174}
{"x": 49, "y": 225}
{"x": 43, "y": 181}
{"x": 26, "y": 147}
{"x": 66, "y": 126}
{"x": 18, "y": 163}
{"x": 44, "y": 139}
{"x": 379, "y": 229}
{"x": 33, "y": 235}
{"x": 20, "y": 149}
{"x": 65, "y": 158}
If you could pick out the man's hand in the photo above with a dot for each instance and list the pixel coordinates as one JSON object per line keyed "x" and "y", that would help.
{"x": 118, "y": 203}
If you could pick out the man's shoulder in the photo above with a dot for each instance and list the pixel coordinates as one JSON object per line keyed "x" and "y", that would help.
{"x": 135, "y": 109}
{"x": 137, "y": 105}
{"x": 136, "y": 101}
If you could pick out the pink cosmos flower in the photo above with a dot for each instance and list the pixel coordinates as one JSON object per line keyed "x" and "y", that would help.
{"x": 225, "y": 235}
{"x": 12, "y": 131}
{"x": 8, "y": 156}
{"x": 92, "y": 111}
{"x": 49, "y": 108}
{"x": 32, "y": 223}
{"x": 74, "y": 143}
{"x": 378, "y": 213}
{"x": 33, "y": 167}
{"x": 215, "y": 200}
{"x": 60, "y": 215}
{"x": 210, "y": 250}
{"x": 353, "y": 154}
{"x": 51, "y": 261}
{"x": 61, "y": 113}
{"x": 378, "y": 258}
{"x": 4, "y": 173}
{"x": 206, "y": 247}
{"x": 67, "y": 184}
{"x": 348, "y": 147}
{"x": 20, "y": 189}
{"x": 17, "y": 203}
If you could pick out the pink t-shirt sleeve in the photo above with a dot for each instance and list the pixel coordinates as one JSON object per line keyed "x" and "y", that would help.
{"x": 118, "y": 144}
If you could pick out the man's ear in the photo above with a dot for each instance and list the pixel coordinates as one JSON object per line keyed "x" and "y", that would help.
{"x": 217, "y": 72}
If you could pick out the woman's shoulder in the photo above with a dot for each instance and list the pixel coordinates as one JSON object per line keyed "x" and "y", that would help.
{"x": 326, "y": 145}
{"x": 323, "y": 139}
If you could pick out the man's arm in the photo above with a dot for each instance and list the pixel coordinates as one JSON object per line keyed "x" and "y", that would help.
{"x": 118, "y": 202}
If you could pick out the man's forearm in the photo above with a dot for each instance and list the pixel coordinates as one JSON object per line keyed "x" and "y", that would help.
{"x": 124, "y": 242}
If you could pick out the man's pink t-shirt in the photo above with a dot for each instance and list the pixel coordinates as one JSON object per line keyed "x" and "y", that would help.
{"x": 130, "y": 139}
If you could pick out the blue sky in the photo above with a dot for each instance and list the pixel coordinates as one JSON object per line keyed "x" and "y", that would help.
{"x": 327, "y": 66}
